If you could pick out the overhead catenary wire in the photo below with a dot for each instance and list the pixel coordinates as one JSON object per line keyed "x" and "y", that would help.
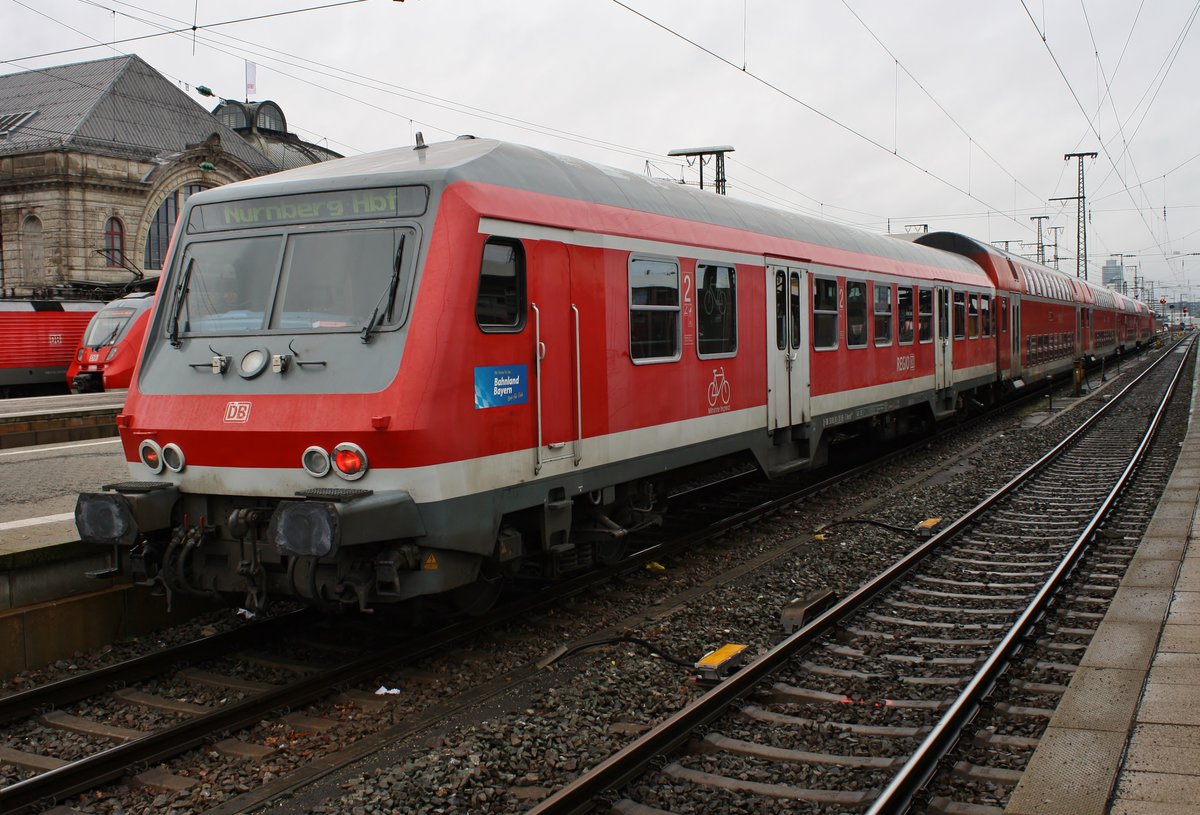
{"x": 818, "y": 112}
{"x": 1090, "y": 124}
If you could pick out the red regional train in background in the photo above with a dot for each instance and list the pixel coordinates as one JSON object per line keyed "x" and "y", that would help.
{"x": 422, "y": 371}
{"x": 37, "y": 338}
{"x": 108, "y": 351}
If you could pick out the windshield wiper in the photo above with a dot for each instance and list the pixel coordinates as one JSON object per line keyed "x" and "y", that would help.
{"x": 181, "y": 292}
{"x": 112, "y": 335}
{"x": 390, "y": 294}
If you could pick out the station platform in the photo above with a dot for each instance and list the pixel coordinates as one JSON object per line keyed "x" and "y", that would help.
{"x": 57, "y": 419}
{"x": 1125, "y": 740}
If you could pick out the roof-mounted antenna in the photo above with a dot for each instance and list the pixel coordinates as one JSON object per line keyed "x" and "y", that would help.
{"x": 421, "y": 145}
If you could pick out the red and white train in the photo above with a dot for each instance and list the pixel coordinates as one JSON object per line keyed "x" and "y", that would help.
{"x": 108, "y": 351}
{"x": 37, "y": 338}
{"x": 420, "y": 371}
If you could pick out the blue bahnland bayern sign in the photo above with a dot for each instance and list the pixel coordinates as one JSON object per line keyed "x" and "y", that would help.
{"x": 497, "y": 386}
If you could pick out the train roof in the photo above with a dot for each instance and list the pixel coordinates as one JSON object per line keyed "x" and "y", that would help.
{"x": 516, "y": 166}
{"x": 1025, "y": 271}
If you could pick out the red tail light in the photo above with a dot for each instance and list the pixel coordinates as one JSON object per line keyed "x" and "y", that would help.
{"x": 349, "y": 461}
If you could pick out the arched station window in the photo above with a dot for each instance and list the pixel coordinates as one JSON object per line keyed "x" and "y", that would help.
{"x": 114, "y": 242}
{"x": 33, "y": 251}
{"x": 158, "y": 239}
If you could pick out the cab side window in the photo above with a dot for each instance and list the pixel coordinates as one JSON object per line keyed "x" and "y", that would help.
{"x": 500, "y": 301}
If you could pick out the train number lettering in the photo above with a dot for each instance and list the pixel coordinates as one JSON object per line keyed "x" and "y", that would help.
{"x": 237, "y": 412}
{"x": 906, "y": 363}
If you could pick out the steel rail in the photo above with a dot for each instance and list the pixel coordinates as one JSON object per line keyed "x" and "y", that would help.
{"x": 74, "y": 688}
{"x": 579, "y": 796}
{"x": 916, "y": 772}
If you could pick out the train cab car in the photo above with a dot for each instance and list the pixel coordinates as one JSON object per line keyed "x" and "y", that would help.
{"x": 37, "y": 339}
{"x": 426, "y": 371}
{"x": 108, "y": 352}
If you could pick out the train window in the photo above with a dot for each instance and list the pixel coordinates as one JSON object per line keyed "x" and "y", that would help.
{"x": 856, "y": 314}
{"x": 781, "y": 310}
{"x": 825, "y": 314}
{"x": 500, "y": 300}
{"x": 227, "y": 285}
{"x": 716, "y": 323}
{"x": 985, "y": 314}
{"x": 960, "y": 315}
{"x": 904, "y": 303}
{"x": 317, "y": 291}
{"x": 794, "y": 297}
{"x": 973, "y": 316}
{"x": 883, "y": 314}
{"x": 925, "y": 314}
{"x": 653, "y": 309}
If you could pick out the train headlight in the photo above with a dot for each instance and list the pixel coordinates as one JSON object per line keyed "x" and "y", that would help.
{"x": 172, "y": 456}
{"x": 151, "y": 455}
{"x": 254, "y": 362}
{"x": 349, "y": 461}
{"x": 112, "y": 352}
{"x": 79, "y": 355}
{"x": 316, "y": 462}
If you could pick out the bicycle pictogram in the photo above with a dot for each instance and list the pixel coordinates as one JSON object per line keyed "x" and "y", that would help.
{"x": 718, "y": 388}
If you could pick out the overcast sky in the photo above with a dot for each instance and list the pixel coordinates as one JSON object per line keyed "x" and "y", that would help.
{"x": 950, "y": 113}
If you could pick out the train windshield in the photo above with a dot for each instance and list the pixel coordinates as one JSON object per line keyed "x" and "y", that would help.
{"x": 344, "y": 280}
{"x": 108, "y": 326}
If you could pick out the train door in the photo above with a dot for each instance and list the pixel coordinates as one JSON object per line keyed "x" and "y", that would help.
{"x": 554, "y": 317}
{"x": 787, "y": 371}
{"x": 943, "y": 376}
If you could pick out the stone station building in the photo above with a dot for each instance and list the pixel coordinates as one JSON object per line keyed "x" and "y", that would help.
{"x": 97, "y": 158}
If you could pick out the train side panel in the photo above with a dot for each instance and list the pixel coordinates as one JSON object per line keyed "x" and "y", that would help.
{"x": 38, "y": 339}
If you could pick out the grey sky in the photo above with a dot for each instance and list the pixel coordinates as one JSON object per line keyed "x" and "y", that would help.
{"x": 951, "y": 113}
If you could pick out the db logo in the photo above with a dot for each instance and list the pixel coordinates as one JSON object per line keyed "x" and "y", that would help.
{"x": 237, "y": 412}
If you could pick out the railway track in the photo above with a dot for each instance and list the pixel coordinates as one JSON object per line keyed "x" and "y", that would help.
{"x": 103, "y": 751}
{"x": 856, "y": 710}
